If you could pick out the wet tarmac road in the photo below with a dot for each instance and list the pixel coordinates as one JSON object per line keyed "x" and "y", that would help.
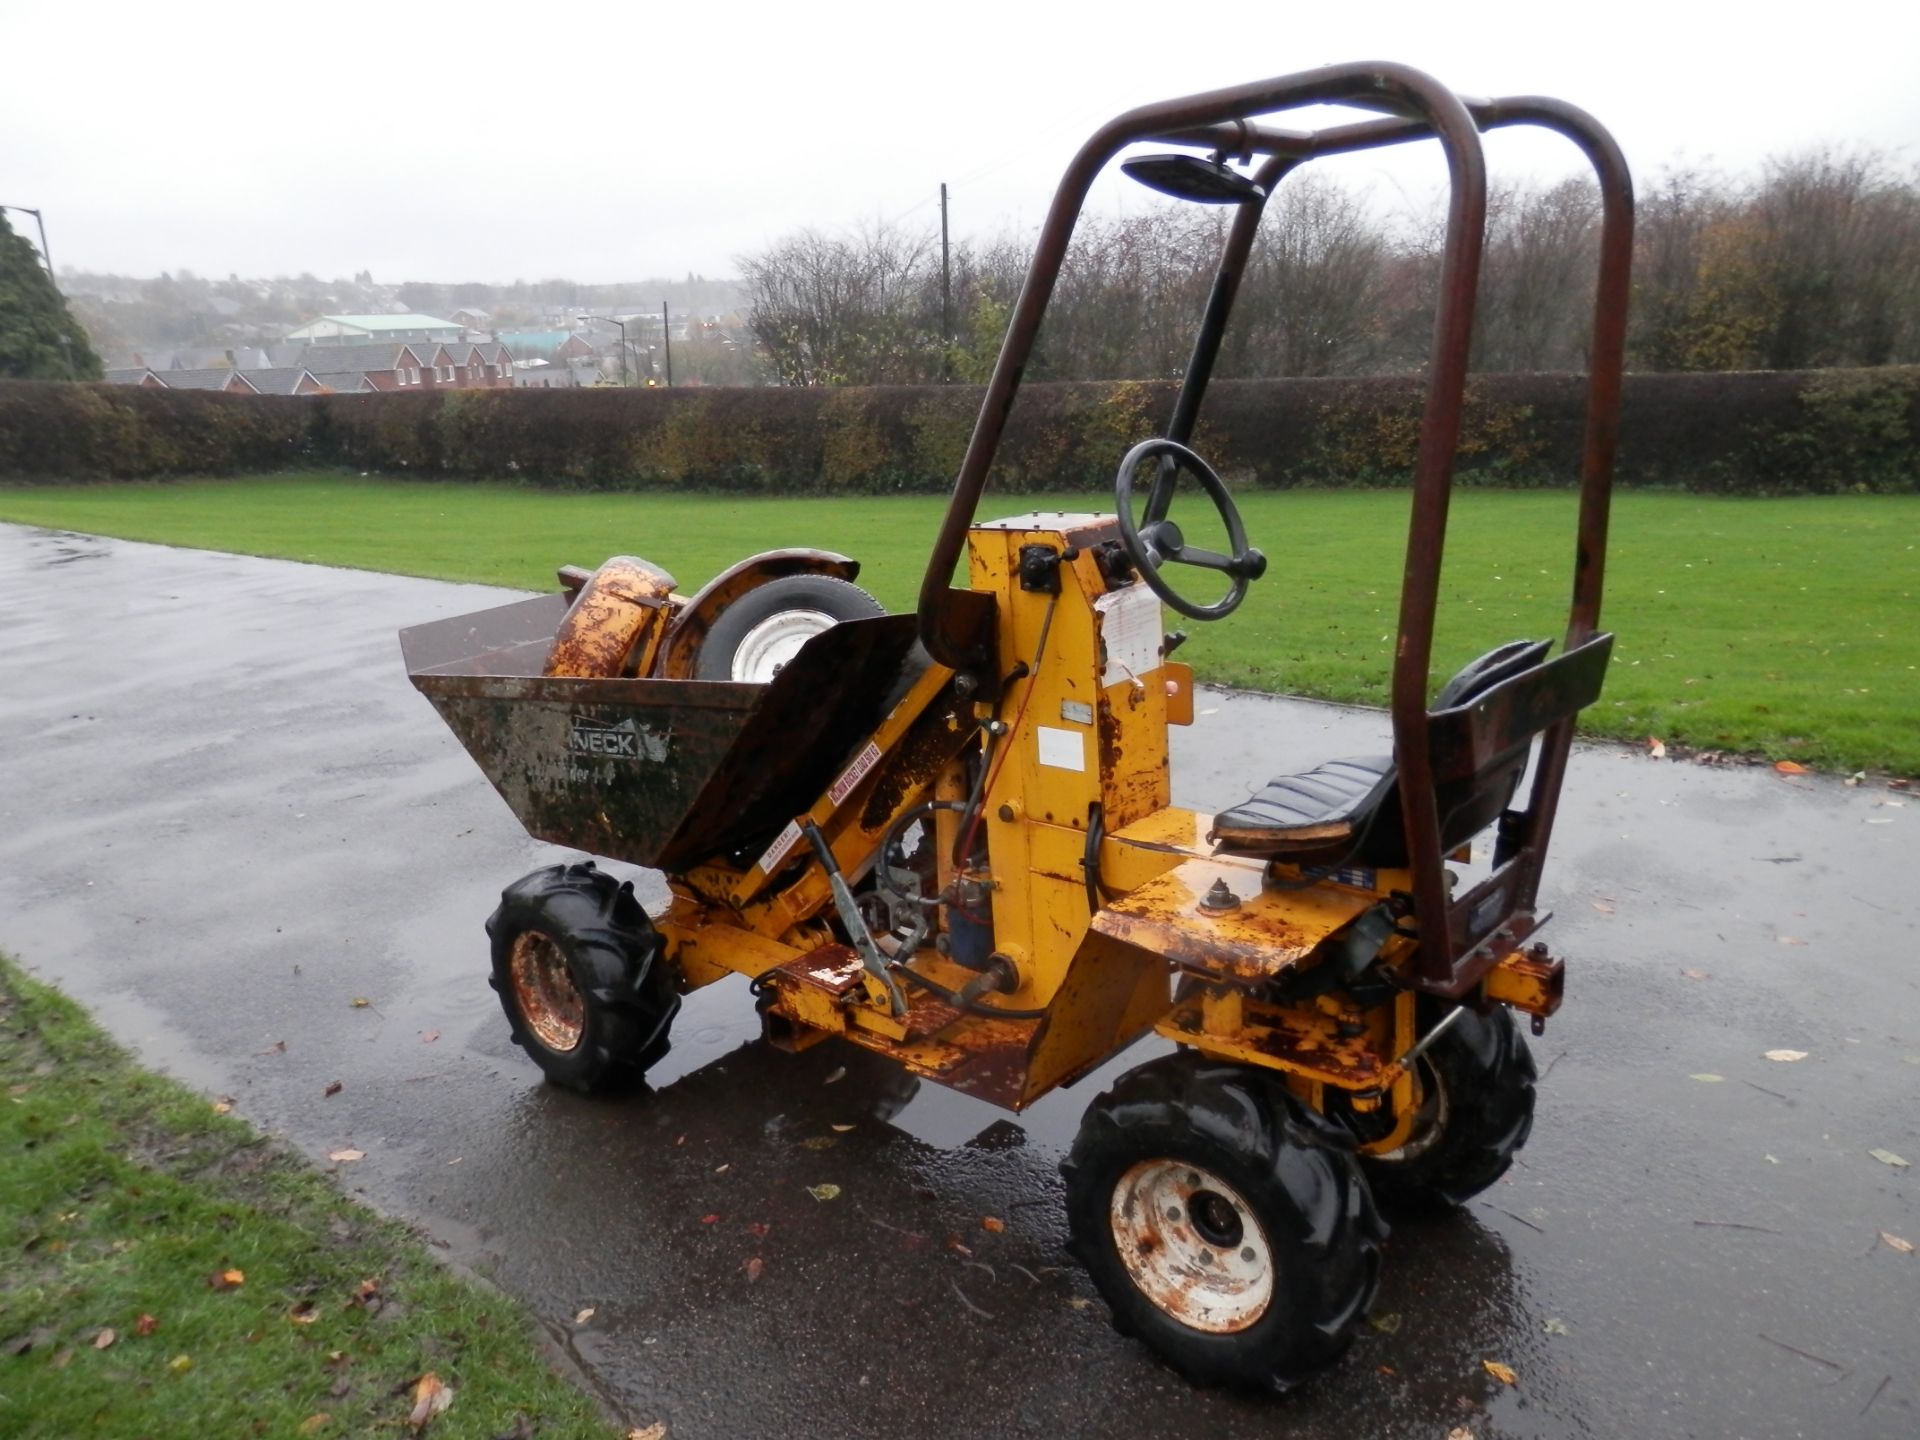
{"x": 224, "y": 814}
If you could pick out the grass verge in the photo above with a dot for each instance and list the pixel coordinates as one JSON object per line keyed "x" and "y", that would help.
{"x": 1774, "y": 626}
{"x": 166, "y": 1272}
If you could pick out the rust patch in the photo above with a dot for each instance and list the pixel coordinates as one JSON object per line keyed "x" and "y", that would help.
{"x": 615, "y": 622}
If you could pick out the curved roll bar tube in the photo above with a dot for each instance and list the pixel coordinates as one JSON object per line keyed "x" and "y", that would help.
{"x": 1416, "y": 107}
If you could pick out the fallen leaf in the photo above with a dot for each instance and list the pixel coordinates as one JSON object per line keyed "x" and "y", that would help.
{"x": 1707, "y": 1078}
{"x": 1696, "y": 974}
{"x": 360, "y": 1002}
{"x": 223, "y": 1105}
{"x": 334, "y": 1087}
{"x": 584, "y": 1316}
{"x": 180, "y": 1364}
{"x": 709, "y": 1219}
{"x": 843, "y": 1128}
{"x": 430, "y": 1397}
{"x": 1080, "y": 1302}
{"x": 818, "y": 1142}
{"x": 1656, "y": 750}
{"x": 279, "y": 1047}
{"x": 959, "y": 1247}
{"x": 367, "y": 1289}
{"x": 1603, "y": 909}
{"x": 1887, "y": 1157}
{"x": 346, "y": 1157}
{"x": 303, "y": 1313}
{"x": 1460, "y": 1432}
{"x": 1386, "y": 1324}
{"x": 655, "y": 1431}
{"x": 315, "y": 1423}
{"x": 1555, "y": 1326}
{"x": 427, "y": 1037}
{"x": 145, "y": 1325}
{"x": 1855, "y": 778}
{"x": 1503, "y": 1373}
{"x": 758, "y": 1229}
{"x": 105, "y": 1338}
{"x": 1905, "y": 1247}
{"x": 227, "y": 1279}
{"x": 1790, "y": 767}
{"x": 824, "y": 1192}
{"x": 62, "y": 1358}
{"x": 753, "y": 1268}
{"x": 722, "y": 1169}
{"x": 992, "y": 1224}
{"x": 1789, "y": 940}
{"x": 1786, "y": 1057}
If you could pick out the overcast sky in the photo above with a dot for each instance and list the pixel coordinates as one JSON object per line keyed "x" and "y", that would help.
{"x": 623, "y": 141}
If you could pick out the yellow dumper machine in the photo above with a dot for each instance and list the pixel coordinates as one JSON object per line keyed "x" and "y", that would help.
{"x": 949, "y": 838}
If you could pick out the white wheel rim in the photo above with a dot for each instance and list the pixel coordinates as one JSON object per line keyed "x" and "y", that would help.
{"x": 768, "y": 647}
{"x": 1192, "y": 1245}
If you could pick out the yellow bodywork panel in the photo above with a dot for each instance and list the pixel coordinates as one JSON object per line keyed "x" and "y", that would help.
{"x": 1266, "y": 932}
{"x": 1113, "y": 994}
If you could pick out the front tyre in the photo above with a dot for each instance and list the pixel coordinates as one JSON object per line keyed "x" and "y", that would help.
{"x": 582, "y": 976}
{"x": 1476, "y": 1112}
{"x": 1222, "y": 1222}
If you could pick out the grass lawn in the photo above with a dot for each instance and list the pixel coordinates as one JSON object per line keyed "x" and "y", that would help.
{"x": 1784, "y": 626}
{"x": 166, "y": 1272}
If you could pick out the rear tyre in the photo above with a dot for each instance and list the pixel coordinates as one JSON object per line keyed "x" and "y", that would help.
{"x": 758, "y": 634}
{"x": 1476, "y": 1113}
{"x": 582, "y": 976}
{"x": 1223, "y": 1222}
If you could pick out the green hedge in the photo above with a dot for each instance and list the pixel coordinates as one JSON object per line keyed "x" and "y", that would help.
{"x": 1755, "y": 433}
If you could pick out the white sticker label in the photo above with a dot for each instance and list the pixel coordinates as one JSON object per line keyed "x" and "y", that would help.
{"x": 782, "y": 843}
{"x": 855, "y": 773}
{"x": 1062, "y": 749}
{"x": 1130, "y": 633}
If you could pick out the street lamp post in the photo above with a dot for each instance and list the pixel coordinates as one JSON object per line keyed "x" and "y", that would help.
{"x": 589, "y": 319}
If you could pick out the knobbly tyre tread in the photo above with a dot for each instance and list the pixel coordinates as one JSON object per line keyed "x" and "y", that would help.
{"x": 1488, "y": 1072}
{"x": 615, "y": 959}
{"x": 1294, "y": 1167}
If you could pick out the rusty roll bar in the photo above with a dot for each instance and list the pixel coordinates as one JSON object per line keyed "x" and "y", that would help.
{"x": 1415, "y": 108}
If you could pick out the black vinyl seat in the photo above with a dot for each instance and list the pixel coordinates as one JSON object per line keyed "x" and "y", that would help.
{"x": 1348, "y": 811}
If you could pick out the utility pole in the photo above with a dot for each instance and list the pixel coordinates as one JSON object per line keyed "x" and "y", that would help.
{"x": 946, "y": 293}
{"x": 666, "y": 336}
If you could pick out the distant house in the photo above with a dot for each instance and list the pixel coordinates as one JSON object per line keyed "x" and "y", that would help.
{"x": 479, "y": 365}
{"x": 558, "y": 346}
{"x": 284, "y": 380}
{"x": 389, "y": 367}
{"x": 346, "y": 382}
{"x": 135, "y": 375}
{"x": 545, "y": 375}
{"x": 234, "y": 382}
{"x": 368, "y": 329}
{"x": 472, "y": 319}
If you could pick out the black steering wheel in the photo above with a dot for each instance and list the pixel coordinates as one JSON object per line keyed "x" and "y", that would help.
{"x": 1157, "y": 541}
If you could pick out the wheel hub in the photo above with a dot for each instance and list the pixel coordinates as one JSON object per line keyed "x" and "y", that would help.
{"x": 545, "y": 994}
{"x": 768, "y": 647}
{"x": 1192, "y": 1245}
